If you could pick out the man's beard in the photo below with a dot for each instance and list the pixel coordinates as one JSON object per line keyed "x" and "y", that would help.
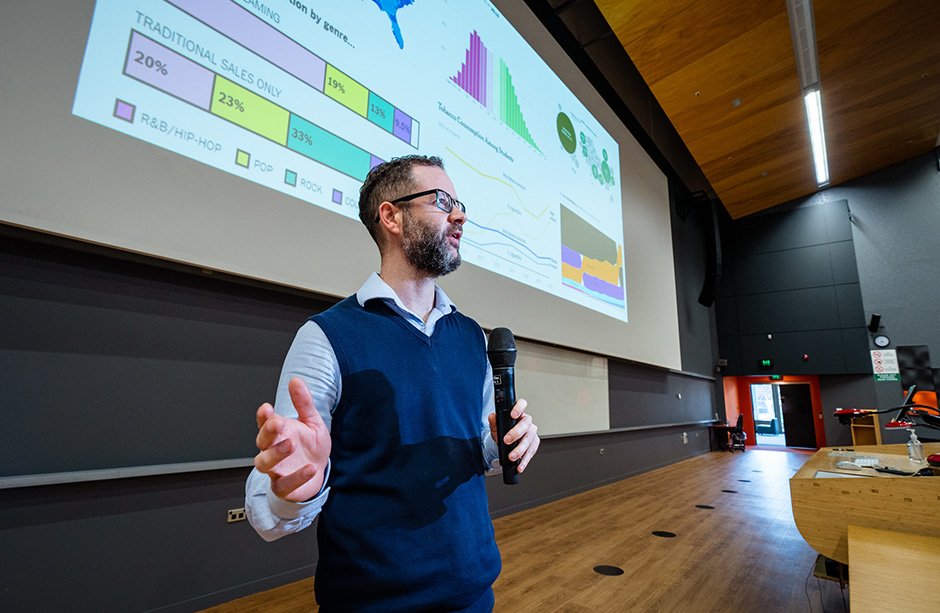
{"x": 428, "y": 250}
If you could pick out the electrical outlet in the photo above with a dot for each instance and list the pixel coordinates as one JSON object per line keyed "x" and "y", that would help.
{"x": 236, "y": 515}
{"x": 685, "y": 438}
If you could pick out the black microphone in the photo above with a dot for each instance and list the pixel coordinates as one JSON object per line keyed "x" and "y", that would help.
{"x": 501, "y": 350}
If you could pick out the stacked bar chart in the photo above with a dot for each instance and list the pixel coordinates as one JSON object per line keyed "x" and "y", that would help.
{"x": 477, "y": 77}
{"x": 244, "y": 28}
{"x": 591, "y": 263}
{"x": 163, "y": 69}
{"x": 305, "y": 99}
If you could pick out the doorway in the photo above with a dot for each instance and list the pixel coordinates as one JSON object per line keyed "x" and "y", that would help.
{"x": 769, "y": 428}
{"x": 783, "y": 414}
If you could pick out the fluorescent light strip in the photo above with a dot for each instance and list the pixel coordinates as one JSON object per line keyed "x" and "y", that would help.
{"x": 817, "y": 136}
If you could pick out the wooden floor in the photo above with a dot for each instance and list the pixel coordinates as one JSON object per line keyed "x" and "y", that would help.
{"x": 744, "y": 555}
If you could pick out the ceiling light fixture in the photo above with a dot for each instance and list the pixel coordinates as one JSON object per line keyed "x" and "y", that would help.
{"x": 803, "y": 31}
{"x": 936, "y": 151}
{"x": 817, "y": 136}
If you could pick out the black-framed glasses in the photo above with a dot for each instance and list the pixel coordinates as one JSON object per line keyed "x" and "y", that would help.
{"x": 442, "y": 199}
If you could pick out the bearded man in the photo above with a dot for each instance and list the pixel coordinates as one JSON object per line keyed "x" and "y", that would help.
{"x": 383, "y": 425}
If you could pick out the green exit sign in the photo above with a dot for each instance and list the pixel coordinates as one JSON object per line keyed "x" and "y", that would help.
{"x": 775, "y": 377}
{"x": 766, "y": 363}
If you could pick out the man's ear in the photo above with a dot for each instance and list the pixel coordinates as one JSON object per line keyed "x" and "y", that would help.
{"x": 390, "y": 218}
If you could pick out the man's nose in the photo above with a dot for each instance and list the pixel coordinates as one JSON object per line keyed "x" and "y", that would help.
{"x": 457, "y": 216}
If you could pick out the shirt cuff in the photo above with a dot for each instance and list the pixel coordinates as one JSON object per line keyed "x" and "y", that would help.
{"x": 293, "y": 510}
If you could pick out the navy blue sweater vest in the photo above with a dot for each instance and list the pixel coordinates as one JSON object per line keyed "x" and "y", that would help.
{"x": 406, "y": 525}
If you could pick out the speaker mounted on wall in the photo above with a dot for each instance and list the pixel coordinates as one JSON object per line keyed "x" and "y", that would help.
{"x": 712, "y": 259}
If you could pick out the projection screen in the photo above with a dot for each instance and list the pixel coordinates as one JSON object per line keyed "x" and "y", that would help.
{"x": 233, "y": 135}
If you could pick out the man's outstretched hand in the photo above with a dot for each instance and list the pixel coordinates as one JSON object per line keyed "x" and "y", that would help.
{"x": 294, "y": 452}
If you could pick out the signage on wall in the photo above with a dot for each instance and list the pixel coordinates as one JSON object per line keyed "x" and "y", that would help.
{"x": 884, "y": 363}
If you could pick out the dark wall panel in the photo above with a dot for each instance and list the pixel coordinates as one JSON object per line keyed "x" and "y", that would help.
{"x": 802, "y": 309}
{"x": 844, "y": 266}
{"x": 783, "y": 270}
{"x": 137, "y": 545}
{"x": 823, "y": 348}
{"x": 855, "y": 343}
{"x": 731, "y": 352}
{"x": 757, "y": 234}
{"x": 726, "y": 316}
{"x": 94, "y": 346}
{"x": 795, "y": 278}
{"x": 851, "y": 310}
{"x": 643, "y": 396}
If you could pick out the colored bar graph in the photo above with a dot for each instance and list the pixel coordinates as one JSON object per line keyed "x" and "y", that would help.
{"x": 476, "y": 78}
{"x": 591, "y": 262}
{"x": 188, "y": 80}
{"x": 474, "y": 75}
{"x": 264, "y": 40}
{"x": 381, "y": 113}
{"x": 246, "y": 29}
{"x": 328, "y": 149}
{"x": 342, "y": 88}
{"x": 249, "y": 110}
{"x": 180, "y": 77}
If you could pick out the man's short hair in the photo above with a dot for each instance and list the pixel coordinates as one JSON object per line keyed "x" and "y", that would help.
{"x": 388, "y": 181}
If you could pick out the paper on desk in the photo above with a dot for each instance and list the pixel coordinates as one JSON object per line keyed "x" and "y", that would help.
{"x": 822, "y": 474}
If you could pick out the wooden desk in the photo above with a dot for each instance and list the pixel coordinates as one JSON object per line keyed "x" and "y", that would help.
{"x": 823, "y": 508}
{"x": 866, "y": 430}
{"x": 892, "y": 571}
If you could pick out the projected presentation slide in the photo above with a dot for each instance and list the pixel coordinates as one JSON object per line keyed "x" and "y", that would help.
{"x": 306, "y": 97}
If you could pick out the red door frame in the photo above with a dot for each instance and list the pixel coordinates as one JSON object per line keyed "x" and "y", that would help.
{"x": 742, "y": 385}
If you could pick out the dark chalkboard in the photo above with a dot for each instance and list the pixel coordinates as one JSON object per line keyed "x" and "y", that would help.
{"x": 111, "y": 361}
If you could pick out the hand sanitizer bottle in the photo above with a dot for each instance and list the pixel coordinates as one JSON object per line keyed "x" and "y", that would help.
{"x": 915, "y": 449}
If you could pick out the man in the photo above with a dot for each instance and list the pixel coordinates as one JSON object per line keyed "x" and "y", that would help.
{"x": 389, "y": 427}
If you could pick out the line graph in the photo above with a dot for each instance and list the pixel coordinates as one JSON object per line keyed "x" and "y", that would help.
{"x": 509, "y": 235}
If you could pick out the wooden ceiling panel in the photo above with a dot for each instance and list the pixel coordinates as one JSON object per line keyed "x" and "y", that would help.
{"x": 748, "y": 67}
{"x": 782, "y": 147}
{"x": 660, "y": 35}
{"x": 881, "y": 84}
{"x": 880, "y": 76}
{"x": 742, "y": 180}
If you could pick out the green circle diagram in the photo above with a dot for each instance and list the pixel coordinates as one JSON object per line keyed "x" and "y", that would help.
{"x": 566, "y": 133}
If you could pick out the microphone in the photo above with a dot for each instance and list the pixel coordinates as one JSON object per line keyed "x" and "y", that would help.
{"x": 501, "y": 350}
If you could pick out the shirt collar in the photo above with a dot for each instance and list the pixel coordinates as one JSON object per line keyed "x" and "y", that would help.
{"x": 375, "y": 287}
